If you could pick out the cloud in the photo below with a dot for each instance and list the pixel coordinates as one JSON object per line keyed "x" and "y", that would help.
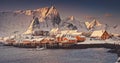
{"x": 108, "y": 15}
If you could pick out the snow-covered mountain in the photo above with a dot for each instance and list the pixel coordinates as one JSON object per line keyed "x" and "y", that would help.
{"x": 20, "y": 20}
{"x": 43, "y": 14}
{"x": 43, "y": 18}
{"x": 48, "y": 17}
{"x": 72, "y": 23}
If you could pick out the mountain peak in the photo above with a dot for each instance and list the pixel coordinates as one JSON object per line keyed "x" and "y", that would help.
{"x": 45, "y": 14}
{"x": 71, "y": 18}
{"x": 52, "y": 10}
{"x": 93, "y": 24}
{"x": 53, "y": 7}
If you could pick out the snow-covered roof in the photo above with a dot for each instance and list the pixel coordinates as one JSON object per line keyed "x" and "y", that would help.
{"x": 71, "y": 38}
{"x": 97, "y": 33}
{"x": 64, "y": 32}
{"x": 59, "y": 35}
{"x": 54, "y": 30}
{"x": 12, "y": 37}
{"x": 68, "y": 31}
{"x": 72, "y": 31}
{"x": 5, "y": 38}
{"x": 39, "y": 39}
{"x": 78, "y": 33}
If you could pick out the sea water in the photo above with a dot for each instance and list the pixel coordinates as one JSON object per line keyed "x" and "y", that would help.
{"x": 28, "y": 55}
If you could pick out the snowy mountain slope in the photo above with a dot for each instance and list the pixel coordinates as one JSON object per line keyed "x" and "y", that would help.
{"x": 10, "y": 22}
{"x": 48, "y": 18}
{"x": 44, "y": 14}
{"x": 72, "y": 23}
{"x": 20, "y": 20}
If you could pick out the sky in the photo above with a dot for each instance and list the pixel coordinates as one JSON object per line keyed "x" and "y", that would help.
{"x": 105, "y": 10}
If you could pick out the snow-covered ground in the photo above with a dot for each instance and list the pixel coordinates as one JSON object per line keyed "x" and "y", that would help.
{"x": 109, "y": 41}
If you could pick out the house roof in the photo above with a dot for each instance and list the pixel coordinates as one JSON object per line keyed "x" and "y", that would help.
{"x": 54, "y": 30}
{"x": 97, "y": 33}
{"x": 68, "y": 31}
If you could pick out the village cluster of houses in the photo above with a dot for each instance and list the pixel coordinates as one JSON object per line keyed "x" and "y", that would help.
{"x": 54, "y": 37}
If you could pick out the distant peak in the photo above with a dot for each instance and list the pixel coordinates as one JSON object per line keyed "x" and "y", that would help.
{"x": 71, "y": 18}
{"x": 52, "y": 10}
{"x": 53, "y": 7}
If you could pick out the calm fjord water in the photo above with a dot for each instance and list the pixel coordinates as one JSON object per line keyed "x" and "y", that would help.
{"x": 23, "y": 55}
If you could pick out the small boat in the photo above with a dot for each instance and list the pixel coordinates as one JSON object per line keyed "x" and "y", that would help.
{"x": 39, "y": 49}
